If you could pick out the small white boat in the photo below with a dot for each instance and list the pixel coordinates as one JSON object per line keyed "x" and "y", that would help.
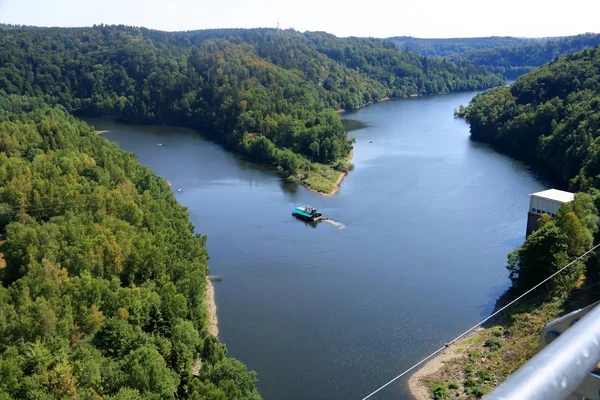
{"x": 178, "y": 190}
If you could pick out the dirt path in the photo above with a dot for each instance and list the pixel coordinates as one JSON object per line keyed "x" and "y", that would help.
{"x": 213, "y": 324}
{"x": 417, "y": 385}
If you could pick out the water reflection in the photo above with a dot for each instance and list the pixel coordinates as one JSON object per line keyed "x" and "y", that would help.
{"x": 353, "y": 124}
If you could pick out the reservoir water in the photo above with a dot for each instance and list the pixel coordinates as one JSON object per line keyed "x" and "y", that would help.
{"x": 427, "y": 218}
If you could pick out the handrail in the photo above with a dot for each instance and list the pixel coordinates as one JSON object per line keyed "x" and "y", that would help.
{"x": 560, "y": 368}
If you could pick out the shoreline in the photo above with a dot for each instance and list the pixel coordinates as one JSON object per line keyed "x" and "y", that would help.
{"x": 418, "y": 386}
{"x": 336, "y": 184}
{"x": 341, "y": 110}
{"x": 211, "y": 308}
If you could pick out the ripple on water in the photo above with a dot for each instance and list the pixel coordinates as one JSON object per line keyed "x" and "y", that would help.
{"x": 337, "y": 224}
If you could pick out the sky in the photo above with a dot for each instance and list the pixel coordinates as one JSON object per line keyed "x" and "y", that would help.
{"x": 375, "y": 18}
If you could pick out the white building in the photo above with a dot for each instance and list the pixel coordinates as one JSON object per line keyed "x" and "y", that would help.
{"x": 545, "y": 202}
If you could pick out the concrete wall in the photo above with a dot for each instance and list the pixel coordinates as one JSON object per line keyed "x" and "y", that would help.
{"x": 539, "y": 206}
{"x": 532, "y": 223}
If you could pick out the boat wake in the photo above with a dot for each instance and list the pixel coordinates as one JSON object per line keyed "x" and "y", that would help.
{"x": 335, "y": 223}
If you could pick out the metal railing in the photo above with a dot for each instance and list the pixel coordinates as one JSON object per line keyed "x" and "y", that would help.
{"x": 561, "y": 369}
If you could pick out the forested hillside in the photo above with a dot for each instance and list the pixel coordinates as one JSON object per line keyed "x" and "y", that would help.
{"x": 549, "y": 117}
{"x": 268, "y": 94}
{"x": 513, "y": 61}
{"x": 103, "y": 279}
{"x": 508, "y": 56}
{"x": 450, "y": 46}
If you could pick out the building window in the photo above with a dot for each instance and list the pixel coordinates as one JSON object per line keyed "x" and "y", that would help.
{"x": 533, "y": 210}
{"x": 539, "y": 211}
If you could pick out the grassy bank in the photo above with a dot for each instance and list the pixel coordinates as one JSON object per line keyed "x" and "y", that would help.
{"x": 473, "y": 366}
{"x": 325, "y": 179}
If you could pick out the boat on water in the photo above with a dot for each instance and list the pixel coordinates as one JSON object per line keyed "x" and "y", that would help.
{"x": 307, "y": 213}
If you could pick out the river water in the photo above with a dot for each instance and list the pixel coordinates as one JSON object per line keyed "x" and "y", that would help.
{"x": 333, "y": 311}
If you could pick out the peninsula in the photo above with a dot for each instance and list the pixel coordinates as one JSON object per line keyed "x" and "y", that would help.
{"x": 267, "y": 94}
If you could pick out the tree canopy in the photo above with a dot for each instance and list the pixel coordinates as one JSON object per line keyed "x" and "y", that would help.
{"x": 548, "y": 117}
{"x": 451, "y": 46}
{"x": 268, "y": 94}
{"x": 103, "y": 278}
{"x": 508, "y": 56}
{"x": 557, "y": 242}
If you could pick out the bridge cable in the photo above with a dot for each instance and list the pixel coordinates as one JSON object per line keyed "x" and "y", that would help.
{"x": 484, "y": 320}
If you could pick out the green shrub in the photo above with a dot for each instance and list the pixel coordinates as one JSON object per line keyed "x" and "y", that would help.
{"x": 341, "y": 166}
{"x": 440, "y": 392}
{"x": 469, "y": 383}
{"x": 474, "y": 355}
{"x": 496, "y": 331}
{"x": 484, "y": 374}
{"x": 478, "y": 391}
{"x": 473, "y": 387}
{"x": 493, "y": 343}
{"x": 453, "y": 385}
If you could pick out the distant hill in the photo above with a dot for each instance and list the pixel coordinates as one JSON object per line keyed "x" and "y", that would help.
{"x": 447, "y": 47}
{"x": 508, "y": 56}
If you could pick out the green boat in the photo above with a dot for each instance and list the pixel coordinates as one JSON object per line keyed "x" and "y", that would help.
{"x": 307, "y": 213}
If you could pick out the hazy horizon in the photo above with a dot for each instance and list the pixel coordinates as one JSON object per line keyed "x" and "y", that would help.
{"x": 271, "y": 27}
{"x": 379, "y": 18}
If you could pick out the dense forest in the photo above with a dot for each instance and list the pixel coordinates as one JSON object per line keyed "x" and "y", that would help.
{"x": 103, "y": 279}
{"x": 450, "y": 46}
{"x": 548, "y": 117}
{"x": 271, "y": 95}
{"x": 517, "y": 60}
{"x": 508, "y": 56}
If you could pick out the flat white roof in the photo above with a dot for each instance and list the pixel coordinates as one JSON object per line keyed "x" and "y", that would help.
{"x": 555, "y": 195}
